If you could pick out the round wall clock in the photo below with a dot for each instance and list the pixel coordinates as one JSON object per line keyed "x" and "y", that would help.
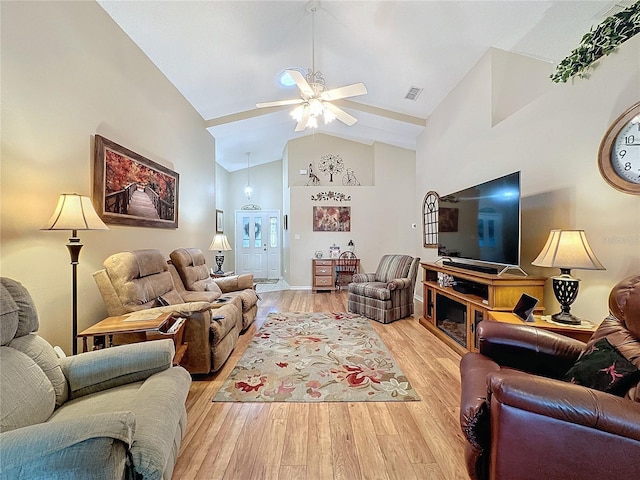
{"x": 619, "y": 154}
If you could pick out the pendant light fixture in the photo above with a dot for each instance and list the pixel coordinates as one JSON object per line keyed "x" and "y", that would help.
{"x": 248, "y": 190}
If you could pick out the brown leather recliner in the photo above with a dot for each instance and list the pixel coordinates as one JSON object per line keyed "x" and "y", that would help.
{"x": 521, "y": 421}
{"x": 193, "y": 276}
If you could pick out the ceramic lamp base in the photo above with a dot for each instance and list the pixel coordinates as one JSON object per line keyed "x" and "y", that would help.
{"x": 219, "y": 262}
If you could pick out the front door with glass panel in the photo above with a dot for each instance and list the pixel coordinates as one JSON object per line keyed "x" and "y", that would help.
{"x": 258, "y": 243}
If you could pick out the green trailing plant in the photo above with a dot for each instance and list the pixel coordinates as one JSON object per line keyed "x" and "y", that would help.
{"x": 598, "y": 42}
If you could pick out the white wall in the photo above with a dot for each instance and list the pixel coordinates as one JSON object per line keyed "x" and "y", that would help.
{"x": 68, "y": 73}
{"x": 498, "y": 120}
{"x": 381, "y": 212}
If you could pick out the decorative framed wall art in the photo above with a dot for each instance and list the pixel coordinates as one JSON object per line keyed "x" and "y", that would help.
{"x": 129, "y": 189}
{"x": 430, "y": 219}
{"x": 219, "y": 221}
{"x": 331, "y": 219}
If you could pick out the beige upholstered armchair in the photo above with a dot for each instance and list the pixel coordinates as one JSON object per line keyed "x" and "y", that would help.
{"x": 193, "y": 274}
{"x": 387, "y": 294}
{"x": 112, "y": 413}
{"x": 140, "y": 279}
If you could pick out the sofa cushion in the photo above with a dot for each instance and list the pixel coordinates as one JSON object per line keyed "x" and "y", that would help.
{"x": 19, "y": 314}
{"x": 213, "y": 288}
{"x": 377, "y": 290}
{"x": 234, "y": 283}
{"x": 192, "y": 268}
{"x": 393, "y": 266}
{"x": 9, "y": 316}
{"x": 139, "y": 277}
{"x": 27, "y": 396}
{"x": 248, "y": 298}
{"x": 41, "y": 352}
{"x": 221, "y": 326}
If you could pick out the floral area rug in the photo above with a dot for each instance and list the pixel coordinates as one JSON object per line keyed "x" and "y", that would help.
{"x": 316, "y": 357}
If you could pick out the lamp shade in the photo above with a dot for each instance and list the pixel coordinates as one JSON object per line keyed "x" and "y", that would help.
{"x": 74, "y": 212}
{"x": 567, "y": 249}
{"x": 220, "y": 243}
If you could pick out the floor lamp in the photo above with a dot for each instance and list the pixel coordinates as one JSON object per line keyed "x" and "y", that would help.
{"x": 74, "y": 212}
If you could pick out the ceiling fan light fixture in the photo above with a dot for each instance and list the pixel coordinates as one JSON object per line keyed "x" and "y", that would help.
{"x": 328, "y": 116}
{"x": 316, "y": 107}
{"x": 312, "y": 122}
{"x": 297, "y": 113}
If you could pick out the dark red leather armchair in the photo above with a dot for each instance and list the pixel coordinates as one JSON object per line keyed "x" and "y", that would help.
{"x": 522, "y": 422}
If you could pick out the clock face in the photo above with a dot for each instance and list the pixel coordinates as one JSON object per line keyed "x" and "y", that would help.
{"x": 619, "y": 154}
{"x": 625, "y": 154}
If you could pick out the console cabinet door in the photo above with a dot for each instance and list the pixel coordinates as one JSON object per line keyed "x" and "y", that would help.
{"x": 476, "y": 315}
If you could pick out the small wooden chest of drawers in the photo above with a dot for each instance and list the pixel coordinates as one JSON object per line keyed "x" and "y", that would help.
{"x": 323, "y": 274}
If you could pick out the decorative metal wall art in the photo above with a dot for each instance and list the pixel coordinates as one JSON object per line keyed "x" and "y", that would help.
{"x": 349, "y": 179}
{"x": 331, "y": 164}
{"x": 313, "y": 178}
{"x": 338, "y": 196}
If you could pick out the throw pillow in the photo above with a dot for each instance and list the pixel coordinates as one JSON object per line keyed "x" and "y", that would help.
{"x": 604, "y": 368}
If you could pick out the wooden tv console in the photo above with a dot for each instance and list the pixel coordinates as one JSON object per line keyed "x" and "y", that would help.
{"x": 452, "y": 314}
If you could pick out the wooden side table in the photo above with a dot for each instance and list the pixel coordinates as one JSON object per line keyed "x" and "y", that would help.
{"x": 579, "y": 332}
{"x": 154, "y": 326}
{"x": 222, "y": 275}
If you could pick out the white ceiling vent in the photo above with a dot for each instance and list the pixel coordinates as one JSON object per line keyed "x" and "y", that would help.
{"x": 413, "y": 93}
{"x": 615, "y": 7}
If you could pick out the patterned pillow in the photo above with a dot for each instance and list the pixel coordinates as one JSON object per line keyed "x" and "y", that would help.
{"x": 603, "y": 368}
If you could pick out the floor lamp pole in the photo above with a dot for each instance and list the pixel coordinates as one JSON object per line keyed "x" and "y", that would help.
{"x": 74, "y": 246}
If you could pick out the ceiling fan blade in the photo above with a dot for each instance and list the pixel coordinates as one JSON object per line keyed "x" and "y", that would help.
{"x": 301, "y": 82}
{"x": 302, "y": 124}
{"x": 343, "y": 92}
{"x": 340, "y": 114}
{"x": 279, "y": 103}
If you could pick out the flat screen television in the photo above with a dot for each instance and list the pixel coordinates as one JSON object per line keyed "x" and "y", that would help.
{"x": 482, "y": 223}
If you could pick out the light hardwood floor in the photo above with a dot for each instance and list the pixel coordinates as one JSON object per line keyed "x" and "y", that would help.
{"x": 317, "y": 441}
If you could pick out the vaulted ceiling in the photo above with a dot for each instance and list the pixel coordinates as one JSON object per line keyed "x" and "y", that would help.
{"x": 226, "y": 56}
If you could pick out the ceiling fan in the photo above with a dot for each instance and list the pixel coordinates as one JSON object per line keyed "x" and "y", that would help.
{"x": 314, "y": 101}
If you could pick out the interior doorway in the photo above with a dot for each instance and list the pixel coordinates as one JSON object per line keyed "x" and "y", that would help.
{"x": 257, "y": 248}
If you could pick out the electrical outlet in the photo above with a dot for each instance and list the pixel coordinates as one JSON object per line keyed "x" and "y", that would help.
{"x": 303, "y": 172}
{"x": 296, "y": 237}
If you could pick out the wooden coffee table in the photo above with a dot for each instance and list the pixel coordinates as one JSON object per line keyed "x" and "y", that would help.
{"x": 153, "y": 326}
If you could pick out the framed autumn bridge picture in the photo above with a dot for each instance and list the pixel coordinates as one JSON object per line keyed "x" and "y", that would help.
{"x": 129, "y": 189}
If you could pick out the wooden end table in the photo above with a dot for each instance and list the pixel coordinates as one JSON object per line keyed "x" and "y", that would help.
{"x": 578, "y": 332}
{"x": 154, "y": 326}
{"x": 222, "y": 275}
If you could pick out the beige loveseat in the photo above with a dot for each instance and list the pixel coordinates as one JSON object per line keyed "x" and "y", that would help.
{"x": 140, "y": 279}
{"x": 117, "y": 413}
{"x": 193, "y": 274}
